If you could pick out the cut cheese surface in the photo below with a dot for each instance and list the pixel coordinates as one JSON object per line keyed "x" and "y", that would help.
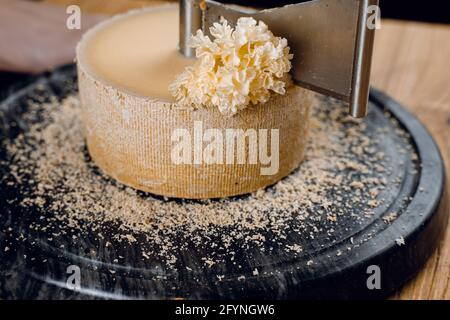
{"x": 138, "y": 53}
{"x": 125, "y": 67}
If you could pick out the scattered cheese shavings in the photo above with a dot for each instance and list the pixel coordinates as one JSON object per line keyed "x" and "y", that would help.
{"x": 400, "y": 241}
{"x": 239, "y": 67}
{"x": 83, "y": 203}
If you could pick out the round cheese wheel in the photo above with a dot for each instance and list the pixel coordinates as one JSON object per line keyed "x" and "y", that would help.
{"x": 137, "y": 134}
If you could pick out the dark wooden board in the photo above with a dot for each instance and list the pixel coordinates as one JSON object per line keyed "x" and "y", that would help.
{"x": 336, "y": 273}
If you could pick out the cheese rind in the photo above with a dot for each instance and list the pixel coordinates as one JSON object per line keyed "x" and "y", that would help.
{"x": 129, "y": 136}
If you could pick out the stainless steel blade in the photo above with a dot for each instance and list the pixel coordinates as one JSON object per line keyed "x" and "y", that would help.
{"x": 331, "y": 43}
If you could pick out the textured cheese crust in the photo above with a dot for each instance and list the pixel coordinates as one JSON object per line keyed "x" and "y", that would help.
{"x": 129, "y": 137}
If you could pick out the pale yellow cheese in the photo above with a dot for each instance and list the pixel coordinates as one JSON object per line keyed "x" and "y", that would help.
{"x": 125, "y": 66}
{"x": 138, "y": 54}
{"x": 236, "y": 67}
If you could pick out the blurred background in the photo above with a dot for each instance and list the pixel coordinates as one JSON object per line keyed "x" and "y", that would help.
{"x": 429, "y": 11}
{"x": 33, "y": 37}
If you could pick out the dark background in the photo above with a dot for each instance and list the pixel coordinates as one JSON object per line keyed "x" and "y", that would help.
{"x": 426, "y": 10}
{"x": 437, "y": 11}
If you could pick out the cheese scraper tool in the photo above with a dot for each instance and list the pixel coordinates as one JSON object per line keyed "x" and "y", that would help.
{"x": 331, "y": 40}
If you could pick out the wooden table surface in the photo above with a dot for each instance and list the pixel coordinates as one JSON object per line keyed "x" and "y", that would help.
{"x": 410, "y": 64}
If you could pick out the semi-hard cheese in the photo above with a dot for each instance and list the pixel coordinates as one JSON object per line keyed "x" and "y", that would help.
{"x": 138, "y": 134}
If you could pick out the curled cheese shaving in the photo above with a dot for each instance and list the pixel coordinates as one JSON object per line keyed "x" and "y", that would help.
{"x": 240, "y": 66}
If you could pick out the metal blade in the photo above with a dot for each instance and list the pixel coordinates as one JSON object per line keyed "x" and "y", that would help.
{"x": 331, "y": 44}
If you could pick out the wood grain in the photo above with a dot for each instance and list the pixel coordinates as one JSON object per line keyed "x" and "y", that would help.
{"x": 410, "y": 64}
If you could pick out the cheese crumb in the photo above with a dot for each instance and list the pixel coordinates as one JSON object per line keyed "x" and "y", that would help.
{"x": 400, "y": 241}
{"x": 239, "y": 67}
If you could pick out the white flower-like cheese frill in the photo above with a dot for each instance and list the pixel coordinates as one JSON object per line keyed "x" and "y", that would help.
{"x": 240, "y": 66}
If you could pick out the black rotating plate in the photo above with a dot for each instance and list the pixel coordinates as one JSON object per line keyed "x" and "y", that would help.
{"x": 36, "y": 268}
